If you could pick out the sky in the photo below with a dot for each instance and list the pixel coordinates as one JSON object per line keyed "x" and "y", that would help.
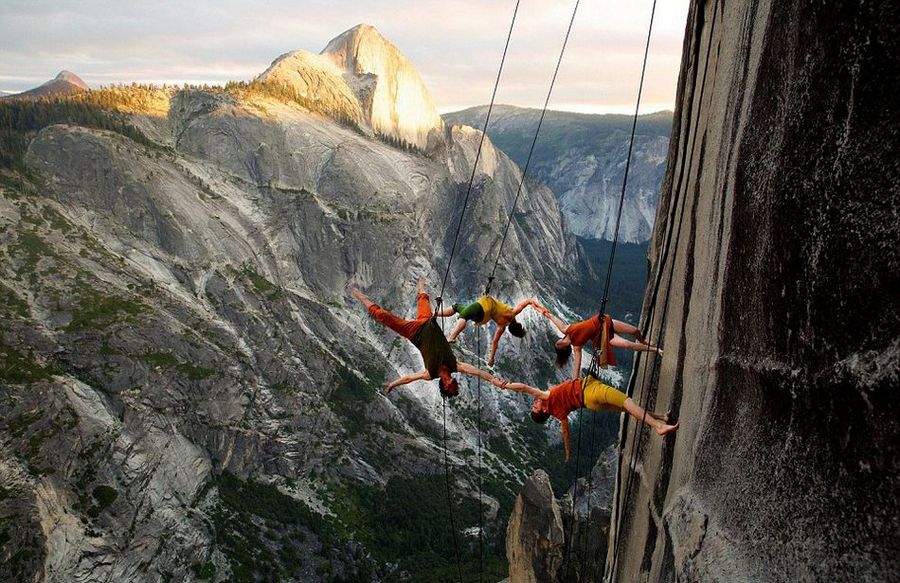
{"x": 455, "y": 45}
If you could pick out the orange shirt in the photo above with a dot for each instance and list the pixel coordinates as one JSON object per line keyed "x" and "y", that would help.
{"x": 565, "y": 398}
{"x": 583, "y": 332}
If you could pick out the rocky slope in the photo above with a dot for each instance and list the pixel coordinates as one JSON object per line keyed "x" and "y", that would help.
{"x": 188, "y": 393}
{"x": 581, "y": 158}
{"x": 776, "y": 274}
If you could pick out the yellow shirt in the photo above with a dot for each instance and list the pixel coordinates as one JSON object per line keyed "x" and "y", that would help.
{"x": 493, "y": 308}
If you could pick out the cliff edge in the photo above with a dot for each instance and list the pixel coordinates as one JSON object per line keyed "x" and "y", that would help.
{"x": 772, "y": 264}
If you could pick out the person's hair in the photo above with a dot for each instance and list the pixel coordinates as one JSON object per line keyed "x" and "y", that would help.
{"x": 540, "y": 416}
{"x": 450, "y": 389}
{"x": 516, "y": 329}
{"x": 562, "y": 355}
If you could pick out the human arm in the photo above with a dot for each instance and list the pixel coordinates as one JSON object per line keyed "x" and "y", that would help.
{"x": 525, "y": 303}
{"x": 576, "y": 351}
{"x": 523, "y": 388}
{"x": 476, "y": 372}
{"x": 564, "y": 425}
{"x": 444, "y": 312}
{"x": 556, "y": 321}
{"x": 406, "y": 379}
{"x": 495, "y": 343}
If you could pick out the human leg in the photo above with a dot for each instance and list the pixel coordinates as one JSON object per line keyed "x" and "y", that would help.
{"x": 619, "y": 342}
{"x": 636, "y": 411}
{"x": 405, "y": 328}
{"x": 423, "y": 306}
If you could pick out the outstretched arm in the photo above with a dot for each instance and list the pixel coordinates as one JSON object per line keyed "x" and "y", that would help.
{"x": 495, "y": 343}
{"x": 564, "y": 425}
{"x": 443, "y": 313}
{"x": 406, "y": 379}
{"x": 576, "y": 350}
{"x": 474, "y": 371}
{"x": 525, "y": 303}
{"x": 560, "y": 325}
{"x": 523, "y": 388}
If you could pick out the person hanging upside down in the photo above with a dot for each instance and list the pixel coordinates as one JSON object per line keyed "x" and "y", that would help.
{"x": 600, "y": 331}
{"x": 588, "y": 393}
{"x": 484, "y": 310}
{"x": 426, "y": 335}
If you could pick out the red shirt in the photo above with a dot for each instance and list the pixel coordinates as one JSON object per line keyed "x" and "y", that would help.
{"x": 565, "y": 398}
{"x": 581, "y": 333}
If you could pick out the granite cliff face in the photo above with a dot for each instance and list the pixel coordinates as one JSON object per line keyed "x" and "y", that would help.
{"x": 361, "y": 75}
{"x": 188, "y": 393}
{"x": 542, "y": 544}
{"x": 776, "y": 269}
{"x": 581, "y": 157}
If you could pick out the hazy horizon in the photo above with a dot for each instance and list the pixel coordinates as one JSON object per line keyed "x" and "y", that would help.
{"x": 105, "y": 42}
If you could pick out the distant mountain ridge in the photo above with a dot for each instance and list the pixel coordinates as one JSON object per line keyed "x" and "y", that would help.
{"x": 65, "y": 83}
{"x": 581, "y": 157}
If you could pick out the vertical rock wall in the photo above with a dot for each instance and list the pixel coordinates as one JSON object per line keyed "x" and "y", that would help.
{"x": 774, "y": 278}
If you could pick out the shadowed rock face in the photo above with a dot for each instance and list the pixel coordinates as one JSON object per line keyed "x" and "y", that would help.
{"x": 776, "y": 265}
{"x": 540, "y": 526}
{"x": 535, "y": 536}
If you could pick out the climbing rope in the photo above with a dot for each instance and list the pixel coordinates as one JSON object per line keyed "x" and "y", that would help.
{"x": 487, "y": 120}
{"x": 594, "y": 368}
{"x": 479, "y": 453}
{"x": 651, "y": 313}
{"x": 439, "y": 310}
{"x": 449, "y": 499}
{"x": 533, "y": 143}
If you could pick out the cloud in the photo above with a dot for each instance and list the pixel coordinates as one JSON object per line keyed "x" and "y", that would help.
{"x": 455, "y": 45}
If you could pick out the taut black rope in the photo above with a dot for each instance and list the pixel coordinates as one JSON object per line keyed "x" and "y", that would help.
{"x": 609, "y": 268}
{"x": 533, "y": 142}
{"x": 439, "y": 310}
{"x": 487, "y": 119}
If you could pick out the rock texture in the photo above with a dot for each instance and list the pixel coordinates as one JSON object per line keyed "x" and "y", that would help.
{"x": 581, "y": 157}
{"x": 361, "y": 75}
{"x": 188, "y": 391}
{"x": 536, "y": 533}
{"x": 776, "y": 269}
{"x": 540, "y": 525}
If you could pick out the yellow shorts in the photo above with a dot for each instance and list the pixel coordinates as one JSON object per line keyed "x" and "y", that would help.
{"x": 600, "y": 397}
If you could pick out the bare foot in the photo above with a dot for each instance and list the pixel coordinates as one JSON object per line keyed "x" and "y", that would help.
{"x": 665, "y": 429}
{"x": 664, "y": 417}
